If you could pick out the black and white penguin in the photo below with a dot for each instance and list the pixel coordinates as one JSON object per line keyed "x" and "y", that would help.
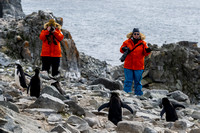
{"x": 170, "y": 110}
{"x": 35, "y": 84}
{"x": 20, "y": 79}
{"x": 115, "y": 106}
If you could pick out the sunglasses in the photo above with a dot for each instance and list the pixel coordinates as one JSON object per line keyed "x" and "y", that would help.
{"x": 136, "y": 34}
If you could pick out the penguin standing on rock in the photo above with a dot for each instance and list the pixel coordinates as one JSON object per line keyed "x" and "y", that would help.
{"x": 20, "y": 76}
{"x": 35, "y": 84}
{"x": 170, "y": 110}
{"x": 115, "y": 106}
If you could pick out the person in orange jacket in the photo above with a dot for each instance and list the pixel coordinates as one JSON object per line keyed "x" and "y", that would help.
{"x": 51, "y": 36}
{"x": 134, "y": 61}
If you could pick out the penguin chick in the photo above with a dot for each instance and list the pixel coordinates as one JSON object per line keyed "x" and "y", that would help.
{"x": 115, "y": 106}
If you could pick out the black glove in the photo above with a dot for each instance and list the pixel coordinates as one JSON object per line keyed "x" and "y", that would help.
{"x": 148, "y": 50}
{"x": 125, "y": 48}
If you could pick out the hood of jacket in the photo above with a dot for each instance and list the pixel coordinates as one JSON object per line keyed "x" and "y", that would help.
{"x": 129, "y": 35}
{"x": 56, "y": 25}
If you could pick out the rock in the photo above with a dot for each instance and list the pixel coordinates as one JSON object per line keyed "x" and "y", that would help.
{"x": 149, "y": 130}
{"x": 54, "y": 118}
{"x": 195, "y": 131}
{"x": 179, "y": 96}
{"x": 51, "y": 90}
{"x": 80, "y": 124}
{"x": 60, "y": 129}
{"x": 196, "y": 115}
{"x": 49, "y": 102}
{"x": 180, "y": 125}
{"x": 74, "y": 108}
{"x": 17, "y": 122}
{"x": 11, "y": 8}
{"x": 10, "y": 106}
{"x": 129, "y": 127}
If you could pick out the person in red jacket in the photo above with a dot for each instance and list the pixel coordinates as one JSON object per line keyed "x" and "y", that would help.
{"x": 134, "y": 61}
{"x": 51, "y": 36}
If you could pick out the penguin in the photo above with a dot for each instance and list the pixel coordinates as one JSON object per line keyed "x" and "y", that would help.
{"x": 20, "y": 76}
{"x": 35, "y": 84}
{"x": 115, "y": 106}
{"x": 57, "y": 86}
{"x": 170, "y": 110}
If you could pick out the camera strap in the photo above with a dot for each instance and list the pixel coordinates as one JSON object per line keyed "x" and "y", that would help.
{"x": 136, "y": 47}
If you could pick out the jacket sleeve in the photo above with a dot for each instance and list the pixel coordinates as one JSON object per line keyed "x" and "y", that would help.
{"x": 145, "y": 46}
{"x": 106, "y": 105}
{"x": 123, "y": 45}
{"x": 58, "y": 34}
{"x": 43, "y": 34}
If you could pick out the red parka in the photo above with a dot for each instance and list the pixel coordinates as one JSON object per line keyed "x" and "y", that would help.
{"x": 135, "y": 59}
{"x": 51, "y": 50}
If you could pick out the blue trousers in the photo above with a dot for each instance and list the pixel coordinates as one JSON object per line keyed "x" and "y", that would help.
{"x": 130, "y": 76}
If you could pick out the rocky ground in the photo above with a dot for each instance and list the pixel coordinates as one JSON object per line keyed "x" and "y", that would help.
{"x": 76, "y": 111}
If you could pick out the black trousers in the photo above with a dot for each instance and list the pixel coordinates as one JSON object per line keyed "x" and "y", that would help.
{"x": 53, "y": 62}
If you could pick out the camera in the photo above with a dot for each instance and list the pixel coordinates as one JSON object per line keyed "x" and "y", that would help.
{"x": 126, "y": 52}
{"x": 52, "y": 29}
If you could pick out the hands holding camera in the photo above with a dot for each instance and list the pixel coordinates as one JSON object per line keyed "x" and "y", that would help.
{"x": 51, "y": 29}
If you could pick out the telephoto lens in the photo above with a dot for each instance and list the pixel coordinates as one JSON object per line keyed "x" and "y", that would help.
{"x": 124, "y": 56}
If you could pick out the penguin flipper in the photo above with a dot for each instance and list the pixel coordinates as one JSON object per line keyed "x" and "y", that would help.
{"x": 178, "y": 105}
{"x": 127, "y": 107}
{"x": 162, "y": 112}
{"x": 105, "y": 105}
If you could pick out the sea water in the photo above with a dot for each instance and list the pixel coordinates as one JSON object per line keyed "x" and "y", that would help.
{"x": 99, "y": 27}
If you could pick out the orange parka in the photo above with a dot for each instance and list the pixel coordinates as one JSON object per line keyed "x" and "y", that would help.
{"x": 51, "y": 50}
{"x": 135, "y": 59}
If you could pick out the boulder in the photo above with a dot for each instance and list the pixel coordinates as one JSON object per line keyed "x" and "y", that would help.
{"x": 49, "y": 102}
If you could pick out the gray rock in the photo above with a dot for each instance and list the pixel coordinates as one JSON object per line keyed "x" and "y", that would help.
{"x": 74, "y": 108}
{"x": 17, "y": 122}
{"x": 179, "y": 96}
{"x": 180, "y": 125}
{"x": 196, "y": 115}
{"x": 10, "y": 106}
{"x": 60, "y": 129}
{"x": 195, "y": 131}
{"x": 129, "y": 127}
{"x": 49, "y": 102}
{"x": 54, "y": 118}
{"x": 149, "y": 130}
{"x": 51, "y": 90}
{"x": 12, "y": 8}
{"x": 80, "y": 124}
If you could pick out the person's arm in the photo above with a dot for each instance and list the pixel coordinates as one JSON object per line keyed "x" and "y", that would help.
{"x": 123, "y": 45}
{"x": 106, "y": 105}
{"x": 43, "y": 34}
{"x": 58, "y": 34}
{"x": 147, "y": 50}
